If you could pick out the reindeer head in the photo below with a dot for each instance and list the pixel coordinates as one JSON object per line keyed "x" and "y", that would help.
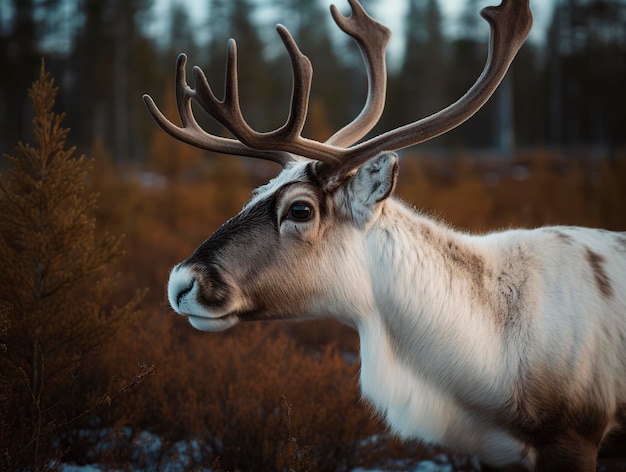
{"x": 297, "y": 247}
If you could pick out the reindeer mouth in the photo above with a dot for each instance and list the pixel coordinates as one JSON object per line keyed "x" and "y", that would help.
{"x": 206, "y": 301}
{"x": 204, "y": 323}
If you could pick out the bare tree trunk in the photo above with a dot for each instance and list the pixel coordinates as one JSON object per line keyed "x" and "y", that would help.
{"x": 121, "y": 83}
{"x": 505, "y": 121}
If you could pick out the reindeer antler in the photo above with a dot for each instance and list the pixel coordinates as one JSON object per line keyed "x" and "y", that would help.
{"x": 510, "y": 23}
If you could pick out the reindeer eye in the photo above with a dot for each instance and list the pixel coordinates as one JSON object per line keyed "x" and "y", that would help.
{"x": 300, "y": 211}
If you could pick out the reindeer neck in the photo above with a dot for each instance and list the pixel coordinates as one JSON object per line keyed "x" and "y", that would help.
{"x": 433, "y": 311}
{"x": 421, "y": 266}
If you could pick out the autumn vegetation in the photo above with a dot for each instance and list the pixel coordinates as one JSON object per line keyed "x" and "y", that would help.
{"x": 95, "y": 368}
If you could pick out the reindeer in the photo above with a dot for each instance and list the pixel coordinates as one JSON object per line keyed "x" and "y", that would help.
{"x": 509, "y": 345}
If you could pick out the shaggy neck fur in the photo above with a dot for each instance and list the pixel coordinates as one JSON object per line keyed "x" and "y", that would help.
{"x": 433, "y": 347}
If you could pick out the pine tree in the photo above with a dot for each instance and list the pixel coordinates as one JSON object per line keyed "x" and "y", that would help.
{"x": 54, "y": 294}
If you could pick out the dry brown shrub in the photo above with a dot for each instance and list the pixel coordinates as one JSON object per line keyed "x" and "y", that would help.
{"x": 539, "y": 187}
{"x": 254, "y": 399}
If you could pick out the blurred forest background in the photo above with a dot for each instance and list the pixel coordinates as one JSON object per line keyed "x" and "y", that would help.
{"x": 95, "y": 368}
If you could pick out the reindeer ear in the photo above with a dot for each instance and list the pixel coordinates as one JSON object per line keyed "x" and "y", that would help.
{"x": 372, "y": 183}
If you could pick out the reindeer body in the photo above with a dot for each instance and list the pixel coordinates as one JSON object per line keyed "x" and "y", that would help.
{"x": 511, "y": 345}
{"x": 484, "y": 343}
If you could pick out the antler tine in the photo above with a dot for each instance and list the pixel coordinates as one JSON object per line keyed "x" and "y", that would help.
{"x": 302, "y": 75}
{"x": 510, "y": 23}
{"x": 227, "y": 111}
{"x": 372, "y": 39}
{"x": 192, "y": 133}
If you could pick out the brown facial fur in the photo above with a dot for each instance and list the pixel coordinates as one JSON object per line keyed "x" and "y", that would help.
{"x": 273, "y": 268}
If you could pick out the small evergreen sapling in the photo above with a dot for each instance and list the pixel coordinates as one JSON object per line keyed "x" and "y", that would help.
{"x": 54, "y": 294}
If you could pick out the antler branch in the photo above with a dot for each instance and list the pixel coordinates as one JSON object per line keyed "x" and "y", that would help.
{"x": 190, "y": 132}
{"x": 372, "y": 39}
{"x": 289, "y": 136}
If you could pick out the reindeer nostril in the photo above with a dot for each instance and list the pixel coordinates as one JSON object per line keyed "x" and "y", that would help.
{"x": 184, "y": 291}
